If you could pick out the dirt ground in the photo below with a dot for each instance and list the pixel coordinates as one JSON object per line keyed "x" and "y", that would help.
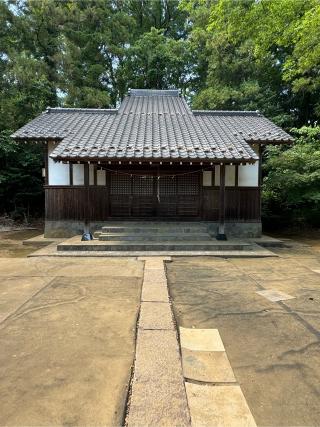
{"x": 307, "y": 237}
{"x": 67, "y": 330}
{"x": 11, "y": 243}
{"x": 273, "y": 347}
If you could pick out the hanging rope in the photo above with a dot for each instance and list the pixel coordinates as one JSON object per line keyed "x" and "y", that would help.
{"x": 158, "y": 189}
{"x": 171, "y": 175}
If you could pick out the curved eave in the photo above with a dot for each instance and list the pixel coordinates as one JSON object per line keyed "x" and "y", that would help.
{"x": 155, "y": 159}
{"x": 270, "y": 141}
{"x": 31, "y": 139}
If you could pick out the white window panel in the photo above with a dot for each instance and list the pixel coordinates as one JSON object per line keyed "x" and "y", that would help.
{"x": 249, "y": 175}
{"x": 101, "y": 177}
{"x": 78, "y": 174}
{"x": 58, "y": 172}
{"x": 207, "y": 178}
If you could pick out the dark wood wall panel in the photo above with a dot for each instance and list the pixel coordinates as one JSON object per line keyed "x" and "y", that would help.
{"x": 79, "y": 203}
{"x": 241, "y": 203}
{"x": 210, "y": 203}
{"x": 76, "y": 203}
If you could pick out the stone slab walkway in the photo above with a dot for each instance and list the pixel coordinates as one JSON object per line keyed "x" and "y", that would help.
{"x": 158, "y": 396}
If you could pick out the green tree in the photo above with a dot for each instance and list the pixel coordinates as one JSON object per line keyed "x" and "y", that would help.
{"x": 258, "y": 55}
{"x": 21, "y": 185}
{"x": 291, "y": 187}
{"x": 156, "y": 61}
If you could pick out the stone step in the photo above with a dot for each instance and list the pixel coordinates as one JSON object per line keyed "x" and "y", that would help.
{"x": 96, "y": 245}
{"x": 153, "y": 237}
{"x": 155, "y": 229}
{"x": 153, "y": 223}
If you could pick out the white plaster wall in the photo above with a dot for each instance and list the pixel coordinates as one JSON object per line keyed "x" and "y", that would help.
{"x": 58, "y": 173}
{"x": 248, "y": 175}
{"x": 230, "y": 176}
{"x": 91, "y": 174}
{"x": 78, "y": 174}
{"x": 207, "y": 178}
{"x": 101, "y": 177}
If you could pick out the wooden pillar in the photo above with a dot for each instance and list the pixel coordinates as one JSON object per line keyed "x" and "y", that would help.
{"x": 86, "y": 174}
{"x": 222, "y": 191}
{"x": 87, "y": 208}
{"x": 46, "y": 161}
{"x": 260, "y": 178}
{"x": 71, "y": 174}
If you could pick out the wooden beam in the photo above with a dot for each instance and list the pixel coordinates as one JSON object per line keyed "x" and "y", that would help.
{"x": 222, "y": 192}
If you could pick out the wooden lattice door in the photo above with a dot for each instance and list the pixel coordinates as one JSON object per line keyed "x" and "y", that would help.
{"x": 143, "y": 197}
{"x": 160, "y": 196}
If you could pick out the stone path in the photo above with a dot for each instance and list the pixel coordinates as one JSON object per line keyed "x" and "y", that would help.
{"x": 158, "y": 395}
{"x": 204, "y": 392}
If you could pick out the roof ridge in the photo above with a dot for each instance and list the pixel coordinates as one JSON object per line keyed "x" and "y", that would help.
{"x": 80, "y": 110}
{"x": 154, "y": 92}
{"x": 227, "y": 112}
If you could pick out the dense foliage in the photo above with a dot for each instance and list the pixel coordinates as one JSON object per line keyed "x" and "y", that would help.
{"x": 292, "y": 183}
{"x": 223, "y": 54}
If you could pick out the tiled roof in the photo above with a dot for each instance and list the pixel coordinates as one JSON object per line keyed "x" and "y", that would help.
{"x": 152, "y": 124}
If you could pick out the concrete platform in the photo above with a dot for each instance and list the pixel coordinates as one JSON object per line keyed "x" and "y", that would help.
{"x": 255, "y": 252}
{"x": 75, "y": 244}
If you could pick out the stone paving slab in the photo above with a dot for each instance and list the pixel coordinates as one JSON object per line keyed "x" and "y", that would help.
{"x": 158, "y": 394}
{"x": 155, "y": 276}
{"x": 154, "y": 293}
{"x": 274, "y": 295}
{"x": 207, "y": 366}
{"x": 201, "y": 339}
{"x": 218, "y": 406}
{"x": 155, "y": 315}
{"x": 45, "y": 267}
